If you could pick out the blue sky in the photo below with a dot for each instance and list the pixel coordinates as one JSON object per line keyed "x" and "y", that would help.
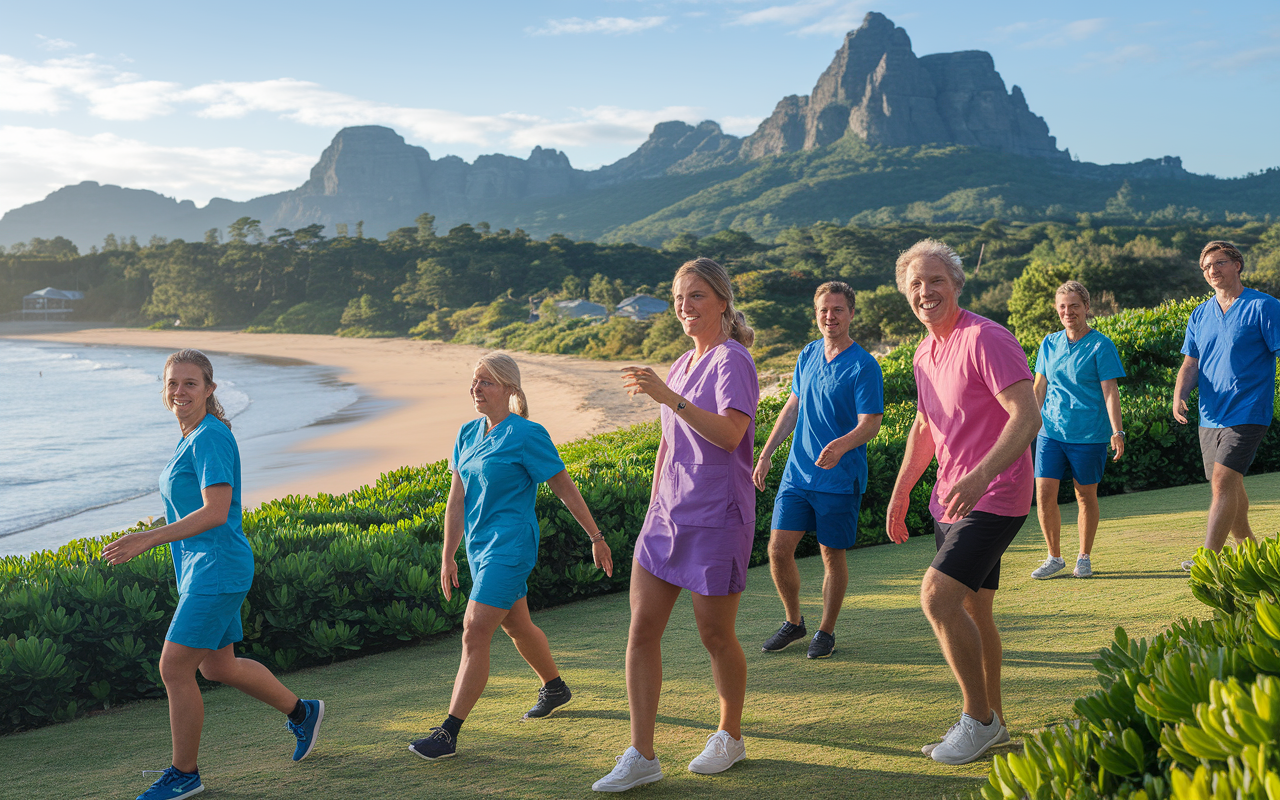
{"x": 238, "y": 99}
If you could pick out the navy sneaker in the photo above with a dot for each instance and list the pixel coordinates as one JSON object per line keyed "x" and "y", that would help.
{"x": 822, "y": 645}
{"x": 308, "y": 730}
{"x": 548, "y": 703}
{"x": 173, "y": 784}
{"x": 436, "y": 746}
{"x": 786, "y": 636}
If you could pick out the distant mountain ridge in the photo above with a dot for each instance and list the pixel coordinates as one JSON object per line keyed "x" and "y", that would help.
{"x": 875, "y": 94}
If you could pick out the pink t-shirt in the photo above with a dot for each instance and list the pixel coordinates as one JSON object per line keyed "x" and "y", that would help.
{"x": 957, "y": 381}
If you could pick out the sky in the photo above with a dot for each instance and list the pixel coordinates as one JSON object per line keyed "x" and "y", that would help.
{"x": 238, "y": 99}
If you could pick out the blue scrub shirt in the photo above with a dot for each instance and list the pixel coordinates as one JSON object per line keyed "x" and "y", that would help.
{"x": 500, "y": 474}
{"x": 832, "y": 395}
{"x": 1237, "y": 353}
{"x": 218, "y": 561}
{"x": 1074, "y": 410}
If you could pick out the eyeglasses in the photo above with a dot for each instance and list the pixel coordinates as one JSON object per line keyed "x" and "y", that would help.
{"x": 483, "y": 384}
{"x": 1218, "y": 265}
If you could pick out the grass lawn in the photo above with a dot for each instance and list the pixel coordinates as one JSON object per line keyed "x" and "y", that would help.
{"x": 848, "y": 726}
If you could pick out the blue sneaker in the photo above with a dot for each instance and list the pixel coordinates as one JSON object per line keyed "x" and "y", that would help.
{"x": 309, "y": 730}
{"x": 173, "y": 784}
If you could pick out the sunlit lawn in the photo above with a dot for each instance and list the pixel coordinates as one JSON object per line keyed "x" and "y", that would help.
{"x": 848, "y": 726}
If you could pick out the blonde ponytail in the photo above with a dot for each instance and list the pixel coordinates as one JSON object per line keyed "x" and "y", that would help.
{"x": 505, "y": 370}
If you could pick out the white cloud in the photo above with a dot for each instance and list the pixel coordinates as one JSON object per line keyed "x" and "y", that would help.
{"x": 741, "y": 126}
{"x": 50, "y": 43}
{"x": 603, "y": 124}
{"x": 36, "y": 161}
{"x": 793, "y": 14}
{"x": 815, "y": 17}
{"x": 1058, "y": 33}
{"x": 609, "y": 25}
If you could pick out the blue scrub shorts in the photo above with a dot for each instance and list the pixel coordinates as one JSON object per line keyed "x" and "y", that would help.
{"x": 499, "y": 585}
{"x": 833, "y": 516}
{"x": 1082, "y": 463}
{"x": 208, "y": 621}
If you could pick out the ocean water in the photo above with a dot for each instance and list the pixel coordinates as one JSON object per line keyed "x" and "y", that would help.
{"x": 84, "y": 435}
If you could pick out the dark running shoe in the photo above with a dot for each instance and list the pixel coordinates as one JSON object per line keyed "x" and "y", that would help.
{"x": 548, "y": 703}
{"x": 439, "y": 744}
{"x": 822, "y": 645}
{"x": 786, "y": 636}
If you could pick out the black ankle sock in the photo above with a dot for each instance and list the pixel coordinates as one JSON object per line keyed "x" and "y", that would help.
{"x": 555, "y": 685}
{"x": 298, "y": 714}
{"x": 195, "y": 771}
{"x": 452, "y": 725}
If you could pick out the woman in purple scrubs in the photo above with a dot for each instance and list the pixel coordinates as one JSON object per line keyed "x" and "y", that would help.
{"x": 701, "y": 521}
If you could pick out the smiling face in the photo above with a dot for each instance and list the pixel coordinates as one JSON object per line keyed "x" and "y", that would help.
{"x": 1073, "y": 312}
{"x": 1222, "y": 272}
{"x": 490, "y": 397}
{"x": 833, "y": 313}
{"x": 185, "y": 393}
{"x": 933, "y": 295}
{"x": 698, "y": 308}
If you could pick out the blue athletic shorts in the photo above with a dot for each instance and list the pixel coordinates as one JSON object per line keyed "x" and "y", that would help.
{"x": 1061, "y": 461}
{"x": 208, "y": 621}
{"x": 833, "y": 516}
{"x": 499, "y": 585}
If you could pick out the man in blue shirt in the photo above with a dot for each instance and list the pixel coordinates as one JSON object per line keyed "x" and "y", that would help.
{"x": 1230, "y": 352}
{"x": 835, "y": 407}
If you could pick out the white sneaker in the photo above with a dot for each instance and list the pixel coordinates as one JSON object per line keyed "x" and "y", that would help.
{"x": 1003, "y": 738}
{"x": 1051, "y": 566}
{"x": 631, "y": 771}
{"x": 967, "y": 741}
{"x": 1084, "y": 567}
{"x": 722, "y": 751}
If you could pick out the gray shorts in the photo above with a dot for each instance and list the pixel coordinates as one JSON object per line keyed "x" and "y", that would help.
{"x": 1232, "y": 447}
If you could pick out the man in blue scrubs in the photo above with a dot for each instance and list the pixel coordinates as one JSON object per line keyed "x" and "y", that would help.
{"x": 835, "y": 408}
{"x": 1230, "y": 352}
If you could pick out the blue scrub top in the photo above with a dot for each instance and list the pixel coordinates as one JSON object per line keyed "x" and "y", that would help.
{"x": 1237, "y": 353}
{"x": 218, "y": 561}
{"x": 832, "y": 395}
{"x": 500, "y": 474}
{"x": 1074, "y": 409}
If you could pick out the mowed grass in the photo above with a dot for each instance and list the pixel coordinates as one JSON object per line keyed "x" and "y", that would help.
{"x": 849, "y": 726}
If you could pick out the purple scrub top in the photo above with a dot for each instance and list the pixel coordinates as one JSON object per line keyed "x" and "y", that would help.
{"x": 699, "y": 530}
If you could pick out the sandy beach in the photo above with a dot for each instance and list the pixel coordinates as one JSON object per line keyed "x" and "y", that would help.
{"x": 424, "y": 383}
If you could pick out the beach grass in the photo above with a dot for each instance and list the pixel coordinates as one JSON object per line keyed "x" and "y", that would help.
{"x": 849, "y": 726}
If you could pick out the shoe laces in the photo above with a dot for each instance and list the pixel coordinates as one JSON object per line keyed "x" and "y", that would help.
{"x": 168, "y": 774}
{"x": 716, "y": 743}
{"x": 440, "y": 733}
{"x": 295, "y": 728}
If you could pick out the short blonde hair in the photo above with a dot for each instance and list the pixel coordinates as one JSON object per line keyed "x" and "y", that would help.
{"x": 1075, "y": 287}
{"x": 504, "y": 368}
{"x": 926, "y": 248}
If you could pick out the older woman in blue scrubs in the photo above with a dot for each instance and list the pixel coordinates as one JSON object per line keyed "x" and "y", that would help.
{"x": 200, "y": 487}
{"x": 498, "y": 461}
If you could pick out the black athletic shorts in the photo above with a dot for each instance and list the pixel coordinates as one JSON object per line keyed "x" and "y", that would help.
{"x": 1232, "y": 447}
{"x": 969, "y": 549}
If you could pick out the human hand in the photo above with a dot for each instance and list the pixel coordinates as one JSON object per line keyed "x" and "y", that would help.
{"x": 448, "y": 577}
{"x": 964, "y": 495}
{"x": 761, "y": 472}
{"x": 1180, "y": 410}
{"x": 125, "y": 548}
{"x": 1117, "y": 444}
{"x": 831, "y": 454}
{"x": 643, "y": 380}
{"x": 895, "y": 523}
{"x": 602, "y": 555}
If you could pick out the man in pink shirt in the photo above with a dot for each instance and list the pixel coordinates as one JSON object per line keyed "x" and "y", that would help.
{"x": 977, "y": 413}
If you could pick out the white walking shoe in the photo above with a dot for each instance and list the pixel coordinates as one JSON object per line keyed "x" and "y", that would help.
{"x": 967, "y": 740}
{"x": 1051, "y": 566}
{"x": 1003, "y": 738}
{"x": 722, "y": 751}
{"x": 631, "y": 771}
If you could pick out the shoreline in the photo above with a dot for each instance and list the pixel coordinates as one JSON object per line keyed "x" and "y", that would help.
{"x": 420, "y": 388}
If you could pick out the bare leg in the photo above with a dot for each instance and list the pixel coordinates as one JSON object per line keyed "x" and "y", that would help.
{"x": 478, "y": 626}
{"x": 978, "y": 605}
{"x": 1087, "y": 516}
{"x": 1229, "y": 509}
{"x": 651, "y": 602}
{"x": 716, "y": 617}
{"x": 1050, "y": 516}
{"x": 945, "y": 600}
{"x": 530, "y": 641}
{"x": 186, "y": 708}
{"x": 1241, "y": 529}
{"x": 786, "y": 575}
{"x": 250, "y": 677}
{"x": 835, "y": 583}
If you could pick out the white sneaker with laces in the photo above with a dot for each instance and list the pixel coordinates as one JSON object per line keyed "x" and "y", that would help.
{"x": 722, "y": 751}
{"x": 1084, "y": 567}
{"x": 1003, "y": 738}
{"x": 968, "y": 740}
{"x": 1051, "y": 566}
{"x": 632, "y": 770}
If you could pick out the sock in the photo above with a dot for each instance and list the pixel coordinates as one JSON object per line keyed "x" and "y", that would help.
{"x": 195, "y": 771}
{"x": 298, "y": 714}
{"x": 555, "y": 685}
{"x": 452, "y": 725}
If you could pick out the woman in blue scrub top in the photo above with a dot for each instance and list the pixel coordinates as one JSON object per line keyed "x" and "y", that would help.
{"x": 1076, "y": 384}
{"x": 498, "y": 461}
{"x": 200, "y": 487}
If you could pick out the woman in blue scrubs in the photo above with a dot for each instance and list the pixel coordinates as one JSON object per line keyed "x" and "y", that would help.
{"x": 200, "y": 487}
{"x": 498, "y": 461}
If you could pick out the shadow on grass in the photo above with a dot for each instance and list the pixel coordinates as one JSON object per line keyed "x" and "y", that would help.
{"x": 1169, "y": 574}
